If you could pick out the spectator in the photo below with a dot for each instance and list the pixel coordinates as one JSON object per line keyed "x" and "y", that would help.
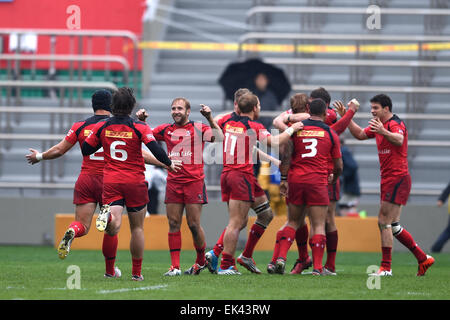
{"x": 445, "y": 235}
{"x": 267, "y": 97}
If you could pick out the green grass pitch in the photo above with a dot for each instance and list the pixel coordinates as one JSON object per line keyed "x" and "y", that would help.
{"x": 36, "y": 273}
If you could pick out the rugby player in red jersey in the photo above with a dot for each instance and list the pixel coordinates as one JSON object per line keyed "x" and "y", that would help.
{"x": 238, "y": 183}
{"x": 260, "y": 206}
{"x": 302, "y": 234}
{"x": 186, "y": 188}
{"x": 88, "y": 187}
{"x": 123, "y": 175}
{"x": 391, "y": 137}
{"x": 307, "y": 184}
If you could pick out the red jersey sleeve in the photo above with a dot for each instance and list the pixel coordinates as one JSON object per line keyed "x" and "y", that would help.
{"x": 158, "y": 132}
{"x": 93, "y": 140}
{"x": 261, "y": 132}
{"x": 369, "y": 133}
{"x": 395, "y": 127}
{"x": 343, "y": 123}
{"x": 146, "y": 131}
{"x": 71, "y": 135}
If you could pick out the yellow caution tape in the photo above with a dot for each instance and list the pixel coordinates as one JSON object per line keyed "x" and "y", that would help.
{"x": 305, "y": 48}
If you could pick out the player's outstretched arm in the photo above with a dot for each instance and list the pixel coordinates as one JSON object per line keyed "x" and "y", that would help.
{"x": 279, "y": 122}
{"x": 284, "y": 136}
{"x": 149, "y": 158}
{"x": 282, "y": 120}
{"x": 54, "y": 152}
{"x": 267, "y": 157}
{"x": 217, "y": 132}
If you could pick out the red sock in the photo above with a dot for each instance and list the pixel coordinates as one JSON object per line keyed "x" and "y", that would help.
{"x": 137, "y": 267}
{"x": 175, "y": 248}
{"x": 287, "y": 237}
{"x": 109, "y": 249}
{"x": 407, "y": 240}
{"x": 276, "y": 249}
{"x": 332, "y": 241}
{"x": 386, "y": 257}
{"x": 218, "y": 248}
{"x": 255, "y": 233}
{"x": 227, "y": 261}
{"x": 317, "y": 243}
{"x": 301, "y": 237}
{"x": 200, "y": 254}
{"x": 79, "y": 228}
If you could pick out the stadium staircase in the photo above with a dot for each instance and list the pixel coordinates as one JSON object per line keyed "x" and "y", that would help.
{"x": 194, "y": 74}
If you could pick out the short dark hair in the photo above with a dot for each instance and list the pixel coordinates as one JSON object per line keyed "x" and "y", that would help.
{"x": 247, "y": 102}
{"x": 321, "y": 93}
{"x": 299, "y": 102}
{"x": 187, "y": 104}
{"x": 383, "y": 100}
{"x": 123, "y": 102}
{"x": 239, "y": 93}
{"x": 317, "y": 107}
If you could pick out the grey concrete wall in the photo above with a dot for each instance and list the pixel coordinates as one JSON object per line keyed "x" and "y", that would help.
{"x": 31, "y": 221}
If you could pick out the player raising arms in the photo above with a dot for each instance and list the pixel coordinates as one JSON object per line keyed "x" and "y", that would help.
{"x": 239, "y": 186}
{"x": 186, "y": 188}
{"x": 392, "y": 142}
{"x": 123, "y": 174}
{"x": 261, "y": 207}
{"x": 307, "y": 184}
{"x": 89, "y": 185}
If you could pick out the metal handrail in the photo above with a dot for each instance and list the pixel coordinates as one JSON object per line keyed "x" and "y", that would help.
{"x": 84, "y": 33}
{"x": 358, "y": 62}
{"x": 70, "y": 57}
{"x": 345, "y": 10}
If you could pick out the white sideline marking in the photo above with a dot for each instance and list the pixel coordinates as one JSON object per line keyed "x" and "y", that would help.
{"x": 132, "y": 289}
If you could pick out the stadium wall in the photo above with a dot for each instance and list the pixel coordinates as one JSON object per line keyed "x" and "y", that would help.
{"x": 51, "y": 14}
{"x": 31, "y": 221}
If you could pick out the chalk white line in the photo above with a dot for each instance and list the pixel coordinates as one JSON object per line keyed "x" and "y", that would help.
{"x": 157, "y": 287}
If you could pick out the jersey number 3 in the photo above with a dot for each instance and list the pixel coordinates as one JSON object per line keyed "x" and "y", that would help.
{"x": 310, "y": 144}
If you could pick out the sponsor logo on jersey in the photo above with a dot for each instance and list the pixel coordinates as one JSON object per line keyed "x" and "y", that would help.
{"x": 119, "y": 134}
{"x": 310, "y": 133}
{"x": 70, "y": 132}
{"x": 230, "y": 128}
{"x": 87, "y": 132}
{"x": 384, "y": 151}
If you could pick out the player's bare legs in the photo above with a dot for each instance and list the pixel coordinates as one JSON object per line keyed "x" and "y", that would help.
{"x": 317, "y": 216}
{"x": 264, "y": 216}
{"x": 286, "y": 235}
{"x": 238, "y": 216}
{"x": 78, "y": 228}
{"x": 115, "y": 221}
{"x": 389, "y": 224}
{"x": 137, "y": 242}
{"x": 193, "y": 216}
{"x": 174, "y": 216}
{"x": 332, "y": 239}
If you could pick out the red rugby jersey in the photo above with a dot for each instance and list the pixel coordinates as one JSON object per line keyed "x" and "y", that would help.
{"x": 312, "y": 148}
{"x": 185, "y": 143}
{"x": 94, "y": 163}
{"x": 122, "y": 138}
{"x": 240, "y": 136}
{"x": 393, "y": 159}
